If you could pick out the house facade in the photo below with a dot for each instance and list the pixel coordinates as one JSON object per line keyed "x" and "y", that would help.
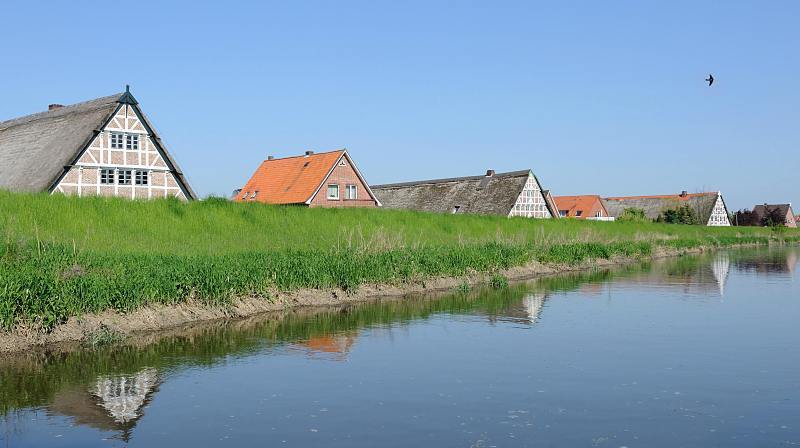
{"x": 709, "y": 207}
{"x": 328, "y": 179}
{"x": 102, "y": 147}
{"x": 582, "y": 207}
{"x": 784, "y": 211}
{"x": 512, "y": 194}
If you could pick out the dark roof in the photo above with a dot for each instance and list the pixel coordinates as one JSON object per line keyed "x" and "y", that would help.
{"x": 760, "y": 211}
{"x": 653, "y": 206}
{"x": 36, "y": 149}
{"x": 487, "y": 195}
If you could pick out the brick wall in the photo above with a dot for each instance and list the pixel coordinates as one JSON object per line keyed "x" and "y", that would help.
{"x": 342, "y": 176}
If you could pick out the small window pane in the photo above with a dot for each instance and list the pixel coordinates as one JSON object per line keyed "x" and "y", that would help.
{"x": 116, "y": 140}
{"x": 142, "y": 178}
{"x": 132, "y": 143}
{"x": 124, "y": 177}
{"x": 106, "y": 176}
{"x": 333, "y": 192}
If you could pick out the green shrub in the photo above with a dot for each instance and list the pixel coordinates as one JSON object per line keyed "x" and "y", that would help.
{"x": 633, "y": 215}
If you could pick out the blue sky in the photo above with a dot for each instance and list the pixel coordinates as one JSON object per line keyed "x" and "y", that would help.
{"x": 595, "y": 97}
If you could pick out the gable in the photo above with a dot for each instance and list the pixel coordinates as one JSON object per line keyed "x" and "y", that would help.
{"x": 531, "y": 202}
{"x": 344, "y": 172}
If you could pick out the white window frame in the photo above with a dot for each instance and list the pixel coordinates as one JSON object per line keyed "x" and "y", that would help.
{"x": 347, "y": 189}
{"x": 110, "y": 176}
{"x": 128, "y": 177}
{"x": 141, "y": 178}
{"x": 328, "y": 192}
{"x": 116, "y": 140}
{"x": 131, "y": 142}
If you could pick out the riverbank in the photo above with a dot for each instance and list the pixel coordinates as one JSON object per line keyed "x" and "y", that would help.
{"x": 158, "y": 317}
{"x": 70, "y": 266}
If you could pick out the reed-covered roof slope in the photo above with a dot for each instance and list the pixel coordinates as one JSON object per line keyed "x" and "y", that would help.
{"x": 653, "y": 206}
{"x": 35, "y": 148}
{"x": 490, "y": 194}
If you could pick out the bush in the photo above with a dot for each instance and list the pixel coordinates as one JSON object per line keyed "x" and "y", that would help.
{"x": 679, "y": 215}
{"x": 633, "y": 215}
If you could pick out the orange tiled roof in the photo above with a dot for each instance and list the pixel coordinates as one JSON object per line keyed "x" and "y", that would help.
{"x": 291, "y": 180}
{"x": 584, "y": 203}
{"x": 683, "y": 197}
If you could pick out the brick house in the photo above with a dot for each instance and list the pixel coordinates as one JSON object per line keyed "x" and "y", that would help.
{"x": 761, "y": 212}
{"x": 327, "y": 179}
{"x": 588, "y": 206}
{"x": 102, "y": 147}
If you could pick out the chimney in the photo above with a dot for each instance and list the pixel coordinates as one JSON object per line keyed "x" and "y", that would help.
{"x": 489, "y": 173}
{"x": 54, "y": 106}
{"x": 309, "y": 153}
{"x": 270, "y": 157}
{"x": 684, "y": 193}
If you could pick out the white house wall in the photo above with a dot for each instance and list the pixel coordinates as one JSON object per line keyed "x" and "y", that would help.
{"x": 719, "y": 215}
{"x": 83, "y": 179}
{"x": 531, "y": 202}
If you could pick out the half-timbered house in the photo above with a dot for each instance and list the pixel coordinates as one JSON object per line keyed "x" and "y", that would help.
{"x": 516, "y": 193}
{"x": 709, "y": 207}
{"x": 102, "y": 147}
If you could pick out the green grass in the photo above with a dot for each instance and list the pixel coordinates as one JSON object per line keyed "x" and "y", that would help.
{"x": 62, "y": 256}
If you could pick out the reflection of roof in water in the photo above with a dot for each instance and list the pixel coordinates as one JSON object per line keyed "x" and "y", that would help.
{"x": 113, "y": 403}
{"x": 334, "y": 346}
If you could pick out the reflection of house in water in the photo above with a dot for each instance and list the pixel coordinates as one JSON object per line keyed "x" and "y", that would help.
{"x": 334, "y": 346}
{"x": 113, "y": 403}
{"x": 720, "y": 267}
{"x": 779, "y": 262}
{"x": 526, "y": 311}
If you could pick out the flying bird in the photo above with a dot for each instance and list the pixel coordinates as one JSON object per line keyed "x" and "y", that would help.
{"x": 710, "y": 80}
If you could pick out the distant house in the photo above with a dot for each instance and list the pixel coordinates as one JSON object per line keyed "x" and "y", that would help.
{"x": 761, "y": 213}
{"x": 582, "y": 207}
{"x": 102, "y": 147}
{"x": 516, "y": 193}
{"x": 327, "y": 179}
{"x": 709, "y": 207}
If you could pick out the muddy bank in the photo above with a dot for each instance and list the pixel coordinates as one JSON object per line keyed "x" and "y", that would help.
{"x": 159, "y": 318}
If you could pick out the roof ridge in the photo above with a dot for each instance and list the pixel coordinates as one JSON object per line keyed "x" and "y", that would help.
{"x": 451, "y": 179}
{"x": 56, "y": 112}
{"x": 661, "y": 196}
{"x": 304, "y": 156}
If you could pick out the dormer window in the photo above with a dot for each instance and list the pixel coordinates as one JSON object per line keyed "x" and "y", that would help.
{"x": 132, "y": 142}
{"x": 116, "y": 140}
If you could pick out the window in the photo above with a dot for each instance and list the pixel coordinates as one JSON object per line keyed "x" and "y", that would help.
{"x": 579, "y": 213}
{"x": 124, "y": 177}
{"x": 333, "y": 192}
{"x": 132, "y": 143}
{"x": 142, "y": 178}
{"x": 350, "y": 192}
{"x": 598, "y": 215}
{"x": 116, "y": 140}
{"x": 562, "y": 213}
{"x": 244, "y": 196}
{"x": 106, "y": 176}
{"x": 253, "y": 195}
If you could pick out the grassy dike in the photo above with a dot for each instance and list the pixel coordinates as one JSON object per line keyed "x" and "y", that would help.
{"x": 63, "y": 257}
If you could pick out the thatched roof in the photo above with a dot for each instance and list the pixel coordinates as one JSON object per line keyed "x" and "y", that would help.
{"x": 36, "y": 149}
{"x": 761, "y": 211}
{"x": 493, "y": 194}
{"x": 653, "y": 206}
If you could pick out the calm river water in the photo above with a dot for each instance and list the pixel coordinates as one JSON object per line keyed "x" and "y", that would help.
{"x": 696, "y": 351}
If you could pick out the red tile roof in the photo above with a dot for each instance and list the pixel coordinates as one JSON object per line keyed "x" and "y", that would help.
{"x": 585, "y": 203}
{"x": 291, "y": 180}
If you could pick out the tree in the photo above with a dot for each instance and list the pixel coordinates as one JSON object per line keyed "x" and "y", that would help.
{"x": 679, "y": 215}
